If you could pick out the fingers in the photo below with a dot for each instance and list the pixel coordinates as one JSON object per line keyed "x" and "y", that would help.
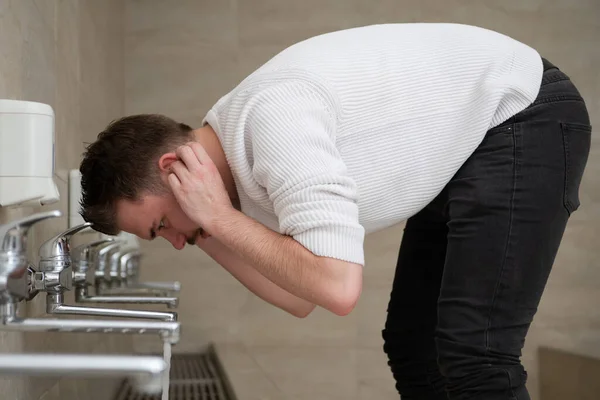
{"x": 193, "y": 154}
{"x": 180, "y": 170}
{"x": 200, "y": 153}
{"x": 174, "y": 182}
{"x": 187, "y": 155}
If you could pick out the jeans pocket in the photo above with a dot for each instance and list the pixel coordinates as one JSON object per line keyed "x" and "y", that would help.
{"x": 577, "y": 142}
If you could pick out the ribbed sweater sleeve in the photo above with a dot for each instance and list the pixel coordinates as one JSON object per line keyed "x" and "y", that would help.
{"x": 292, "y": 131}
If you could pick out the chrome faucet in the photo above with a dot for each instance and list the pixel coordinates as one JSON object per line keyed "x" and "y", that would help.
{"x": 168, "y": 331}
{"x": 101, "y": 264}
{"x": 54, "y": 273}
{"x": 13, "y": 260}
{"x": 145, "y": 371}
{"x": 81, "y": 259}
{"x": 106, "y": 267}
{"x": 55, "y": 277}
{"x": 114, "y": 271}
{"x": 128, "y": 281}
{"x": 84, "y": 257}
{"x": 125, "y": 272}
{"x": 14, "y": 288}
{"x": 129, "y": 273}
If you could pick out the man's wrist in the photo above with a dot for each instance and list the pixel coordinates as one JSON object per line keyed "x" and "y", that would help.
{"x": 218, "y": 226}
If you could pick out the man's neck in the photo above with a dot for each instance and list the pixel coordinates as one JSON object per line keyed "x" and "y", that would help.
{"x": 208, "y": 138}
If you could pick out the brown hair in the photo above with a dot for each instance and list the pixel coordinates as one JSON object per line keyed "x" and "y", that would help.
{"x": 123, "y": 163}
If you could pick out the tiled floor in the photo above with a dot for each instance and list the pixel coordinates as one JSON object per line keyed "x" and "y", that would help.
{"x": 301, "y": 372}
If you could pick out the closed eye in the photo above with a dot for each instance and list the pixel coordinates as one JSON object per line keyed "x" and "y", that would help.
{"x": 160, "y": 226}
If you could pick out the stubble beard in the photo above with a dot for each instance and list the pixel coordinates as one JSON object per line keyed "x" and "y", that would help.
{"x": 192, "y": 240}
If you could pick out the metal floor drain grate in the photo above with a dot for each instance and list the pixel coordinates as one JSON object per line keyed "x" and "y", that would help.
{"x": 194, "y": 376}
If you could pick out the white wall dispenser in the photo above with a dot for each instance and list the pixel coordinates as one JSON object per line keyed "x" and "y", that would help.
{"x": 26, "y": 154}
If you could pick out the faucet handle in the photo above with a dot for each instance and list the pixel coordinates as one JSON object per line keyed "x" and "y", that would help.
{"x": 132, "y": 268}
{"x": 126, "y": 257}
{"x": 59, "y": 245}
{"x": 85, "y": 252}
{"x": 115, "y": 263}
{"x": 82, "y": 258}
{"x": 102, "y": 255}
{"x": 13, "y": 262}
{"x": 13, "y": 235}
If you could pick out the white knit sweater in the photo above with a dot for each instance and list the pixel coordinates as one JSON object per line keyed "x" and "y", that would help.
{"x": 354, "y": 131}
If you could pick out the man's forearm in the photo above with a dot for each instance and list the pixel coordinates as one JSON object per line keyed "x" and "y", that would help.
{"x": 253, "y": 280}
{"x": 330, "y": 283}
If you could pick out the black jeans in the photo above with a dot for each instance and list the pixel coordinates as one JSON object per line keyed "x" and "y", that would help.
{"x": 473, "y": 264}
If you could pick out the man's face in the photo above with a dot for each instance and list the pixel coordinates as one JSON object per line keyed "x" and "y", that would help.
{"x": 157, "y": 215}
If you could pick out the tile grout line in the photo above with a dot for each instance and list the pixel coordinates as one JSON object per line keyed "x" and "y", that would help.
{"x": 247, "y": 350}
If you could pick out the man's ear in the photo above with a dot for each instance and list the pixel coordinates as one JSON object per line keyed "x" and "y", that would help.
{"x": 165, "y": 161}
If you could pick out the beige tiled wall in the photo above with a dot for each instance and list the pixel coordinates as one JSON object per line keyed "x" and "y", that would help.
{"x": 69, "y": 54}
{"x": 180, "y": 57}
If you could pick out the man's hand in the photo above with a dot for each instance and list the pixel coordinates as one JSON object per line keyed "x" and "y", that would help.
{"x": 198, "y": 186}
{"x": 332, "y": 284}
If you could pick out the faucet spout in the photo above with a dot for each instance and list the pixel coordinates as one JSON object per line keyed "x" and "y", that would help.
{"x": 169, "y": 286}
{"x": 110, "y": 312}
{"x": 168, "y": 331}
{"x": 82, "y": 296}
{"x": 135, "y": 291}
{"x": 146, "y": 371}
{"x": 55, "y": 305}
{"x": 166, "y": 286}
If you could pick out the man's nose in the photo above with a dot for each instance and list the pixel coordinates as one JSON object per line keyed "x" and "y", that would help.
{"x": 173, "y": 237}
